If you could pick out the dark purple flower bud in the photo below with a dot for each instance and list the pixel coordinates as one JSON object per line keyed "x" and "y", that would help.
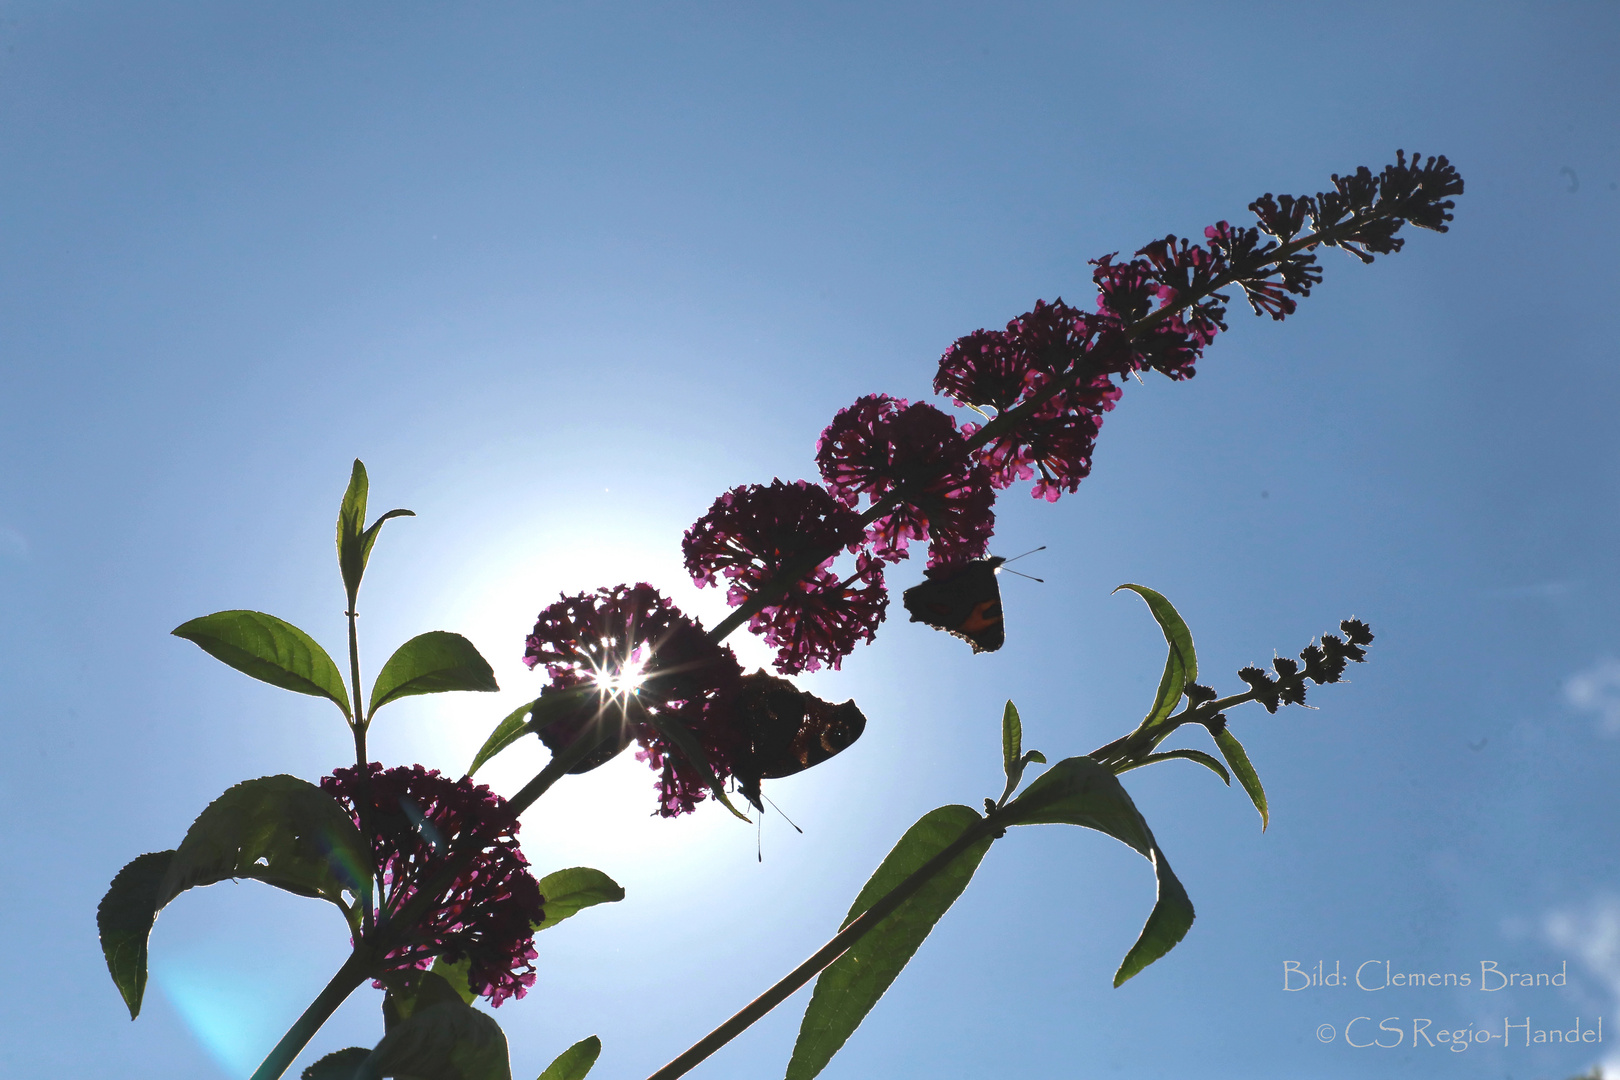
{"x": 487, "y": 914}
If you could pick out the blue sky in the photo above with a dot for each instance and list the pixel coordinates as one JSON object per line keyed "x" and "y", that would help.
{"x": 560, "y": 274}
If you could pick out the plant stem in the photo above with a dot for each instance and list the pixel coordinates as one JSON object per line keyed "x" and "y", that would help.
{"x": 828, "y": 953}
{"x": 358, "y": 725}
{"x": 348, "y": 978}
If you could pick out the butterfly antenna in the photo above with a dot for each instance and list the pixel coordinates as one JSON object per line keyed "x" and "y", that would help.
{"x": 778, "y": 809}
{"x": 1020, "y": 573}
{"x": 1015, "y": 558}
{"x": 759, "y": 838}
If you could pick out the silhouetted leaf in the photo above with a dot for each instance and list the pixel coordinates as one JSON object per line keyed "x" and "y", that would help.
{"x": 411, "y": 991}
{"x": 846, "y": 991}
{"x": 447, "y": 1041}
{"x": 269, "y": 649}
{"x": 1235, "y": 756}
{"x": 125, "y": 920}
{"x": 574, "y": 1062}
{"x": 1191, "y": 755}
{"x": 1078, "y": 791}
{"x": 1181, "y": 666}
{"x": 280, "y": 830}
{"x": 431, "y": 663}
{"x": 507, "y": 732}
{"x": 569, "y": 891}
{"x": 338, "y": 1065}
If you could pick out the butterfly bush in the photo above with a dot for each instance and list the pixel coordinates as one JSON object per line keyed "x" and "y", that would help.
{"x": 804, "y": 566}
{"x": 487, "y": 913}
{"x": 896, "y": 472}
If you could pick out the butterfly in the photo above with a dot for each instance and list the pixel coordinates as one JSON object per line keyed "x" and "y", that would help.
{"x": 785, "y": 731}
{"x": 963, "y": 600}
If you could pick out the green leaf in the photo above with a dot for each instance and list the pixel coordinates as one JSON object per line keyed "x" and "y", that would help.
{"x": 1191, "y": 755}
{"x": 574, "y": 1062}
{"x": 338, "y": 1065}
{"x": 507, "y": 732}
{"x": 846, "y": 991}
{"x": 1233, "y": 752}
{"x": 280, "y": 830}
{"x": 456, "y": 975}
{"x": 1012, "y": 743}
{"x": 125, "y": 920}
{"x": 1180, "y": 667}
{"x": 431, "y": 663}
{"x": 410, "y": 991}
{"x": 269, "y": 649}
{"x": 1013, "y": 759}
{"x": 1078, "y": 791}
{"x": 447, "y": 1041}
{"x": 354, "y": 541}
{"x": 575, "y": 889}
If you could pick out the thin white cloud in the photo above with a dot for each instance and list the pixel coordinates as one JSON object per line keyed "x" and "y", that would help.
{"x": 1592, "y": 935}
{"x": 1597, "y": 690}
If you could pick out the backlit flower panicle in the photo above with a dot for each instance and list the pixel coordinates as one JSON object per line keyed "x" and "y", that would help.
{"x": 752, "y": 535}
{"x": 488, "y": 913}
{"x": 912, "y": 455}
{"x": 633, "y": 663}
{"x": 823, "y": 617}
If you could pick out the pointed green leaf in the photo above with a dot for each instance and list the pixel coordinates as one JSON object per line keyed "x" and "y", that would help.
{"x": 338, "y": 1065}
{"x": 280, "y": 830}
{"x": 574, "y": 1062}
{"x": 846, "y": 991}
{"x": 1233, "y": 752}
{"x": 507, "y": 732}
{"x": 447, "y": 1041}
{"x": 1180, "y": 667}
{"x": 350, "y": 524}
{"x": 269, "y": 649}
{"x": 354, "y": 540}
{"x": 1078, "y": 791}
{"x": 431, "y": 663}
{"x": 1012, "y": 743}
{"x": 1191, "y": 755}
{"x": 575, "y": 889}
{"x": 125, "y": 920}
{"x": 1013, "y": 759}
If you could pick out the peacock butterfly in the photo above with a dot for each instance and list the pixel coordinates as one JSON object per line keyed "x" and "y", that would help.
{"x": 785, "y": 730}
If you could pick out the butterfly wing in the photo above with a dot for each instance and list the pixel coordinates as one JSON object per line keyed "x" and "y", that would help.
{"x": 786, "y": 731}
{"x": 961, "y": 600}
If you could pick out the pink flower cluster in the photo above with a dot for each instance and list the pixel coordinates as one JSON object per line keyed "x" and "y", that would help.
{"x": 488, "y": 913}
{"x": 637, "y": 668}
